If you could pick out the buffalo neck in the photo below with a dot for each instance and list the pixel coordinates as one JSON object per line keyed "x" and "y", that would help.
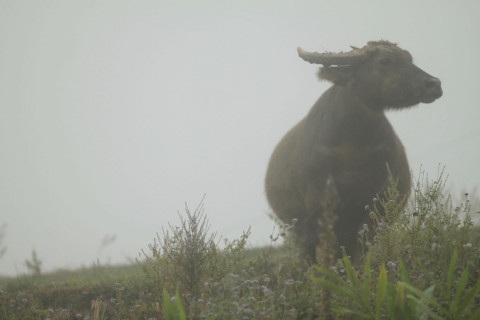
{"x": 340, "y": 117}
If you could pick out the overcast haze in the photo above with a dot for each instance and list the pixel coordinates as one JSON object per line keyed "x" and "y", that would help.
{"x": 113, "y": 114}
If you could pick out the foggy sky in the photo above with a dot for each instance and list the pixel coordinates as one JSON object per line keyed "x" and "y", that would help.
{"x": 113, "y": 114}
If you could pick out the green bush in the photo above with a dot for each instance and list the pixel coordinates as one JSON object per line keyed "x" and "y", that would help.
{"x": 419, "y": 263}
{"x": 188, "y": 257}
{"x": 370, "y": 295}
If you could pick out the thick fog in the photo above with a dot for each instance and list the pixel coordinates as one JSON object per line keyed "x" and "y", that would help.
{"x": 113, "y": 114}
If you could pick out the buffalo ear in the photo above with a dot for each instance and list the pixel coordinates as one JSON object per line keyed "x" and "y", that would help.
{"x": 338, "y": 75}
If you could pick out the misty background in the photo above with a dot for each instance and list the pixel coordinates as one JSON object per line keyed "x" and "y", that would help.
{"x": 113, "y": 114}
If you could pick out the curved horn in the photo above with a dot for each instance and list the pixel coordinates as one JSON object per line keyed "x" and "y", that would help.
{"x": 328, "y": 59}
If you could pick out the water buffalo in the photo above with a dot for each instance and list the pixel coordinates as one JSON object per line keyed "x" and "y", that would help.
{"x": 346, "y": 141}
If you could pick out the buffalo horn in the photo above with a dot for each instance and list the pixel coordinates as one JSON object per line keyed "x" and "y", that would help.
{"x": 328, "y": 59}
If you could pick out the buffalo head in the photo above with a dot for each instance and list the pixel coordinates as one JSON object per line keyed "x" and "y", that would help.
{"x": 381, "y": 74}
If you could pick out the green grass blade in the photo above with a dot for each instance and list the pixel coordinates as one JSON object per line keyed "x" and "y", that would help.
{"x": 451, "y": 269}
{"x": 179, "y": 307}
{"x": 366, "y": 266}
{"x": 470, "y": 296}
{"x": 462, "y": 283}
{"x": 475, "y": 316}
{"x": 425, "y": 295}
{"x": 357, "y": 314}
{"x": 168, "y": 310}
{"x": 339, "y": 291}
{"x": 331, "y": 275}
{"x": 365, "y": 295}
{"x": 391, "y": 298}
{"x": 173, "y": 310}
{"x": 366, "y": 285}
{"x": 424, "y": 306}
{"x": 425, "y": 299}
{"x": 350, "y": 272}
{"x": 404, "y": 273}
{"x": 337, "y": 285}
{"x": 381, "y": 291}
{"x": 400, "y": 309}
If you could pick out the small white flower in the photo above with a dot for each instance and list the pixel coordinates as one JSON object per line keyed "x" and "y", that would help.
{"x": 289, "y": 282}
{"x": 266, "y": 290}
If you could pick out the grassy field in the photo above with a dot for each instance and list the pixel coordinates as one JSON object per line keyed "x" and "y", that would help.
{"x": 422, "y": 263}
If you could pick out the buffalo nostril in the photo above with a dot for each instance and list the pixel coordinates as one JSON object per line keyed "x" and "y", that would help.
{"x": 431, "y": 83}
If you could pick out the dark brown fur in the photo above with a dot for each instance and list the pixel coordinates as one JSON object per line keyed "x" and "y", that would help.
{"x": 346, "y": 136}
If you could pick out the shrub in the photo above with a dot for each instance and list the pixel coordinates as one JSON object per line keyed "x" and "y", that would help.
{"x": 368, "y": 294}
{"x": 422, "y": 263}
{"x": 187, "y": 257}
{"x": 426, "y": 234}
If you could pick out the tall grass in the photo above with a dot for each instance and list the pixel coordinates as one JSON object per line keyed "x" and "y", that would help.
{"x": 418, "y": 263}
{"x": 422, "y": 262}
